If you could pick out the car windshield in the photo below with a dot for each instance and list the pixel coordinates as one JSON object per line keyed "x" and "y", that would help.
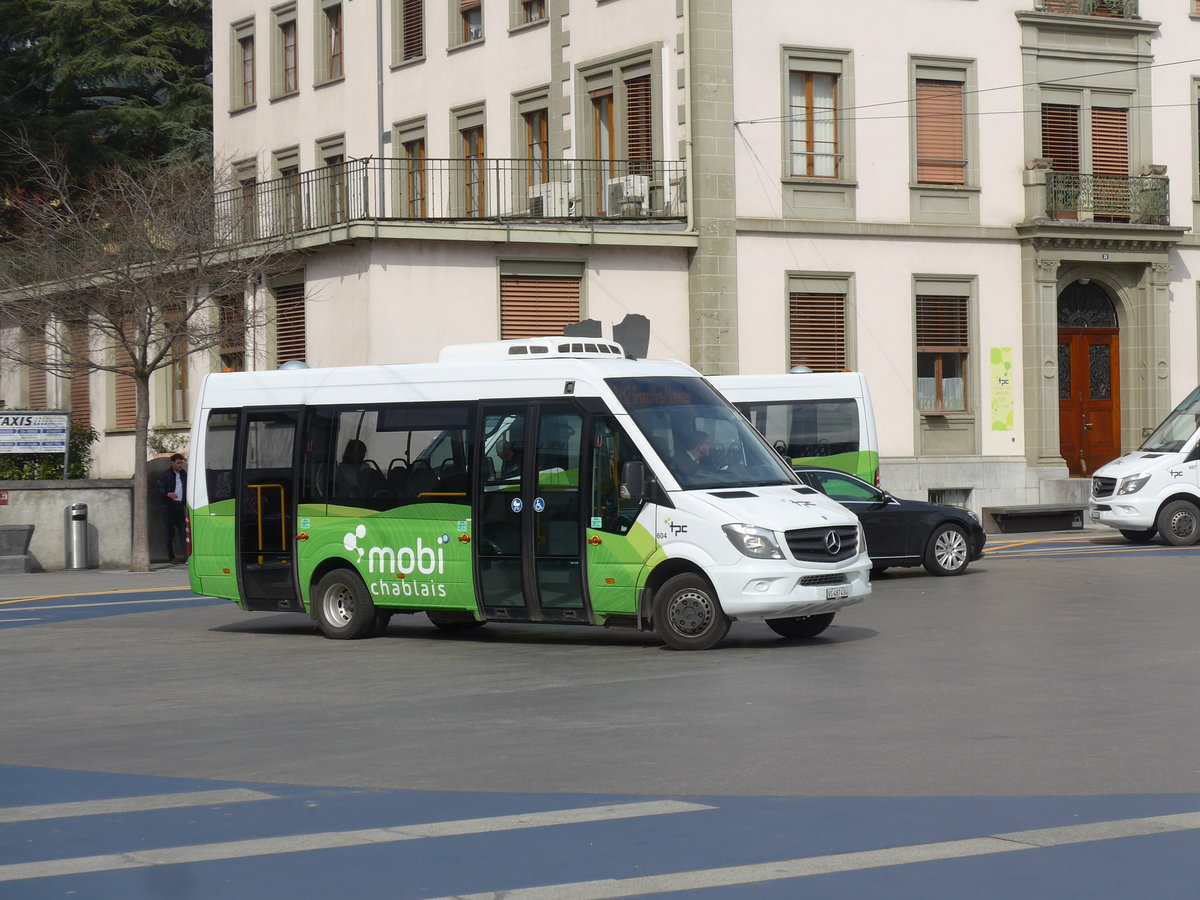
{"x": 703, "y": 441}
{"x": 1177, "y": 429}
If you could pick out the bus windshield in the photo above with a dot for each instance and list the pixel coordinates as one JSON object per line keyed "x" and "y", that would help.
{"x": 703, "y": 440}
{"x": 1177, "y": 428}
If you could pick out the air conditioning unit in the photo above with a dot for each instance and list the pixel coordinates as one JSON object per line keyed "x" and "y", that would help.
{"x": 552, "y": 200}
{"x": 628, "y": 195}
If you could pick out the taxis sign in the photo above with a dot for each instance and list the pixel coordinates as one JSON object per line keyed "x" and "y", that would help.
{"x": 34, "y": 431}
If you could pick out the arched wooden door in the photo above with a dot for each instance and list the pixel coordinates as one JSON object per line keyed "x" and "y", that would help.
{"x": 1089, "y": 390}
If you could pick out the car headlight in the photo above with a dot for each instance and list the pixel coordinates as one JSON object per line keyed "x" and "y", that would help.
{"x": 754, "y": 541}
{"x": 1131, "y": 484}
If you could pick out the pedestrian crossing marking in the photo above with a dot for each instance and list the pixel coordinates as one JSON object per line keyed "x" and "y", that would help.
{"x": 128, "y": 804}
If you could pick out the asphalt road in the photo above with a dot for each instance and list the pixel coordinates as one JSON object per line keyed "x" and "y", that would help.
{"x": 1045, "y": 701}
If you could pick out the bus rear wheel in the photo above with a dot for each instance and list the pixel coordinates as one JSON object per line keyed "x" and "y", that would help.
{"x": 342, "y": 606}
{"x": 688, "y": 615}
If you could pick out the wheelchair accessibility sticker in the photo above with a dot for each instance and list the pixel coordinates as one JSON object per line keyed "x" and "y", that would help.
{"x": 538, "y": 504}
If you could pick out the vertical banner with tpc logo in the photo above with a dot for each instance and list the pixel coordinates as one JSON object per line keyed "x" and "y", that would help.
{"x": 1002, "y": 388}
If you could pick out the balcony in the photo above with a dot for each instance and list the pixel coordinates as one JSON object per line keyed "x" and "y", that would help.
{"x": 1137, "y": 200}
{"x": 570, "y": 191}
{"x": 1114, "y": 9}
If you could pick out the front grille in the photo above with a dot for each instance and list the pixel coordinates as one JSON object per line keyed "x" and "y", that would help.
{"x": 822, "y": 580}
{"x": 1103, "y": 487}
{"x": 813, "y": 544}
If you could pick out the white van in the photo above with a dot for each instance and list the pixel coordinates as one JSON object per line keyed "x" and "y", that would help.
{"x": 548, "y": 480}
{"x": 1155, "y": 489}
{"x": 811, "y": 418}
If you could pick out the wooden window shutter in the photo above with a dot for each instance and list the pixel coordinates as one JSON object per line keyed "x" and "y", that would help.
{"x": 942, "y": 325}
{"x": 1110, "y": 142}
{"x": 1060, "y": 136}
{"x": 537, "y": 306}
{"x": 290, "y": 324}
{"x": 35, "y": 340}
{"x": 817, "y": 331}
{"x": 639, "y": 120}
{"x": 81, "y": 382}
{"x": 465, "y": 5}
{"x": 414, "y": 28}
{"x": 124, "y": 394}
{"x": 940, "y": 145}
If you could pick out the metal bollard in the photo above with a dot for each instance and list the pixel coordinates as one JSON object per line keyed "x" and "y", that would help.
{"x": 77, "y": 536}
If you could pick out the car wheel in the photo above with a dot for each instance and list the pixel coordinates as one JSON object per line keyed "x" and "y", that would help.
{"x": 1139, "y": 536}
{"x": 342, "y": 606}
{"x": 1179, "y": 523}
{"x": 688, "y": 615}
{"x": 453, "y": 620}
{"x": 948, "y": 552}
{"x": 801, "y": 626}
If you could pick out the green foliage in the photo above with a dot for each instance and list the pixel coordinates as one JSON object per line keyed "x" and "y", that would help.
{"x": 166, "y": 440}
{"x": 106, "y": 82}
{"x": 47, "y": 467}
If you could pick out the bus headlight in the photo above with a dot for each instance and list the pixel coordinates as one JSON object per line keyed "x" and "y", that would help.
{"x": 1131, "y": 484}
{"x": 754, "y": 541}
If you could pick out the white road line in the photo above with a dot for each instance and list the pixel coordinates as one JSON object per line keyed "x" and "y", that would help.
{"x": 5, "y": 621}
{"x": 128, "y": 804}
{"x": 611, "y": 888}
{"x": 40, "y": 607}
{"x": 298, "y": 843}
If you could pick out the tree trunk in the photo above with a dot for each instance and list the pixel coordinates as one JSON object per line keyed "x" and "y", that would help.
{"x": 139, "y": 551}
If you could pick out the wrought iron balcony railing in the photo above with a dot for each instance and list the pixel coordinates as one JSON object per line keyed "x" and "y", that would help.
{"x": 1140, "y": 199}
{"x": 436, "y": 190}
{"x": 1116, "y": 9}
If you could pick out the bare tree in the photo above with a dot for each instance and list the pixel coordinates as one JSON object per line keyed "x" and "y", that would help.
{"x": 145, "y": 265}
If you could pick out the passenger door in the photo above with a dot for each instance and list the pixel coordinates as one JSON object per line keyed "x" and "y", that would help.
{"x": 266, "y": 495}
{"x": 529, "y": 536}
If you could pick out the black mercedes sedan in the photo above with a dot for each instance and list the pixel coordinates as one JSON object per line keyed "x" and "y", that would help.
{"x": 943, "y": 539}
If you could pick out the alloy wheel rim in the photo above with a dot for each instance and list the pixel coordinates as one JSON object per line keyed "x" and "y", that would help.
{"x": 951, "y": 550}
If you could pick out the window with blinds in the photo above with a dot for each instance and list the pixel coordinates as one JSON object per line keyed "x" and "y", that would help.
{"x": 943, "y": 341}
{"x": 471, "y": 14}
{"x": 940, "y": 137}
{"x": 290, "y": 341}
{"x": 817, "y": 331}
{"x": 412, "y": 39}
{"x": 36, "y": 373}
{"x": 639, "y": 121}
{"x": 1060, "y": 136}
{"x": 124, "y": 393}
{"x": 1110, "y": 164}
{"x": 537, "y": 306}
{"x": 80, "y": 380}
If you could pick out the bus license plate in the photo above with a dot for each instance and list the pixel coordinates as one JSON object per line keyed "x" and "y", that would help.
{"x": 841, "y": 592}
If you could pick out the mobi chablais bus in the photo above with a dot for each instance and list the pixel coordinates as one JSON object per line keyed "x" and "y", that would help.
{"x": 548, "y": 480}
{"x": 811, "y": 418}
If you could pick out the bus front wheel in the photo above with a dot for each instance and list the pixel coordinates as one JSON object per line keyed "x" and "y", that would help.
{"x": 1179, "y": 523}
{"x": 688, "y": 615}
{"x": 343, "y": 607}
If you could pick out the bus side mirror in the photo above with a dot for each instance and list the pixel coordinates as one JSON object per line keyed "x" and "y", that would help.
{"x": 633, "y": 480}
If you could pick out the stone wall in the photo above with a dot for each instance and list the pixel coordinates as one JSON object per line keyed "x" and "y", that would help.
{"x": 46, "y": 506}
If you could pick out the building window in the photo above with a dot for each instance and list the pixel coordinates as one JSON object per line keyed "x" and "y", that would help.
{"x": 532, "y": 11}
{"x": 245, "y": 223}
{"x": 242, "y": 65}
{"x": 177, "y": 375}
{"x": 410, "y": 37}
{"x": 1088, "y": 146}
{"x": 473, "y": 177}
{"x": 80, "y": 377}
{"x": 124, "y": 392}
{"x": 285, "y": 191}
{"x": 470, "y": 20}
{"x": 231, "y": 318}
{"x": 817, "y": 330}
{"x": 331, "y": 188}
{"x": 623, "y": 136}
{"x": 941, "y": 147}
{"x": 813, "y": 113}
{"x": 286, "y": 79}
{"x": 333, "y": 55}
{"x": 290, "y": 343}
{"x": 36, "y": 393}
{"x": 537, "y": 305}
{"x": 414, "y": 177}
{"x": 537, "y": 145}
{"x": 943, "y": 342}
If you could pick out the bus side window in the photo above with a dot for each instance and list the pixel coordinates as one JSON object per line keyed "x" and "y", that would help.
{"x": 611, "y": 450}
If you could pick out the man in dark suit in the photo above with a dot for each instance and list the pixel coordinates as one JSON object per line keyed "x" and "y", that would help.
{"x": 172, "y": 491}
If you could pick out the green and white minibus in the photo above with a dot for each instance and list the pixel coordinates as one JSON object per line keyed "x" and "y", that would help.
{"x": 542, "y": 480}
{"x": 811, "y": 418}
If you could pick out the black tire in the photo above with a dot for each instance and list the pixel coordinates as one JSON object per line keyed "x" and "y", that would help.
{"x": 1139, "y": 536}
{"x": 801, "y": 626}
{"x": 688, "y": 615}
{"x": 342, "y": 606}
{"x": 948, "y": 551}
{"x": 1179, "y": 523}
{"x": 453, "y": 620}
